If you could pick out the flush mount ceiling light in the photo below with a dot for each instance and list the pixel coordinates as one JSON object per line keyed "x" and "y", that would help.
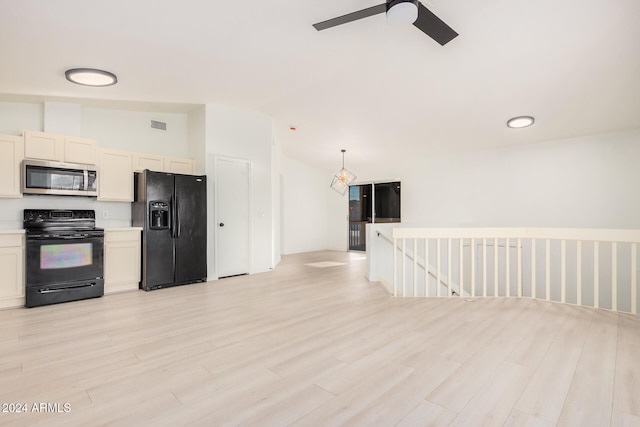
{"x": 520, "y": 122}
{"x": 342, "y": 179}
{"x": 90, "y": 77}
{"x": 402, "y": 12}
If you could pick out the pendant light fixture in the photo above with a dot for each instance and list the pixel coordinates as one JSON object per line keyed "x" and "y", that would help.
{"x": 342, "y": 179}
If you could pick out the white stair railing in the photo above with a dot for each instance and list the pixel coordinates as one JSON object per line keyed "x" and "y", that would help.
{"x": 586, "y": 267}
{"x": 419, "y": 263}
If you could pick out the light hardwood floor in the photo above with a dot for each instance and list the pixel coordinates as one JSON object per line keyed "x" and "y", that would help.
{"x": 310, "y": 345}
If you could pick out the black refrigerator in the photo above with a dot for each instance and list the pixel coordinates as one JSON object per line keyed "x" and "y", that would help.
{"x": 172, "y": 211}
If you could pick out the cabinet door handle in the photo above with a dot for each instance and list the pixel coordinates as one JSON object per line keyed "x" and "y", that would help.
{"x": 222, "y": 224}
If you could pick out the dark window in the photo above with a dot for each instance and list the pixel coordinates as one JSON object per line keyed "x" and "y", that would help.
{"x": 361, "y": 201}
{"x": 387, "y": 202}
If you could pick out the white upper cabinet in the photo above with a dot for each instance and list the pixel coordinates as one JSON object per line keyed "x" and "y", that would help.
{"x": 79, "y": 150}
{"x": 176, "y": 165}
{"x": 60, "y": 148}
{"x": 11, "y": 155}
{"x": 115, "y": 176}
{"x": 43, "y": 146}
{"x": 147, "y": 161}
{"x": 157, "y": 163}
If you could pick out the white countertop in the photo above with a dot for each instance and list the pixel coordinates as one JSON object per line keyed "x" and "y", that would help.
{"x": 123, "y": 229}
{"x": 21, "y": 230}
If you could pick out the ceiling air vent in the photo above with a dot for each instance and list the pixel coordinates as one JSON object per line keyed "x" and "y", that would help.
{"x": 158, "y": 125}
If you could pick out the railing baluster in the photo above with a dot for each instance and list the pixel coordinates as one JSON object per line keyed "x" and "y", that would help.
{"x": 561, "y": 291}
{"x": 614, "y": 276}
{"x": 460, "y": 267}
{"x": 495, "y": 267}
{"x": 484, "y": 267}
{"x": 506, "y": 268}
{"x": 449, "y": 267}
{"x": 426, "y": 267}
{"x": 519, "y": 256}
{"x": 634, "y": 278}
{"x": 473, "y": 267}
{"x": 579, "y": 272}
{"x": 596, "y": 275}
{"x": 404, "y": 267}
{"x": 438, "y": 277}
{"x": 547, "y": 267}
{"x": 395, "y": 268}
{"x": 563, "y": 271}
{"x": 533, "y": 268}
{"x": 415, "y": 267}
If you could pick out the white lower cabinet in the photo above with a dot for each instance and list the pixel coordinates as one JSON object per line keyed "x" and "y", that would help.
{"x": 121, "y": 260}
{"x": 12, "y": 270}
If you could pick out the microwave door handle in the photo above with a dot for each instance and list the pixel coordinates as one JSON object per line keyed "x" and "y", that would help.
{"x": 85, "y": 187}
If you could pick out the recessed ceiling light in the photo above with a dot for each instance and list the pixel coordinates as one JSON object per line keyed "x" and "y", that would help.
{"x": 90, "y": 77}
{"x": 520, "y": 122}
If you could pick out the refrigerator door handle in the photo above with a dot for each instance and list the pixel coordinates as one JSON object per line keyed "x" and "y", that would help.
{"x": 177, "y": 217}
{"x": 173, "y": 217}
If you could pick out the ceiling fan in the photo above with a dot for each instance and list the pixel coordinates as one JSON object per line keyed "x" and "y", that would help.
{"x": 399, "y": 12}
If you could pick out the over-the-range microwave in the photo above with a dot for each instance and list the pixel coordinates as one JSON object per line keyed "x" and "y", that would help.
{"x": 63, "y": 179}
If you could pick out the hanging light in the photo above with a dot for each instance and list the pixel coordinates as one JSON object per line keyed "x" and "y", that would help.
{"x": 342, "y": 179}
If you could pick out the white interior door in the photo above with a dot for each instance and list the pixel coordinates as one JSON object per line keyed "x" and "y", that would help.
{"x": 232, "y": 217}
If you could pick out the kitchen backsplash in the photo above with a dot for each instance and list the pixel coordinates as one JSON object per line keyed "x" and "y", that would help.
{"x": 108, "y": 214}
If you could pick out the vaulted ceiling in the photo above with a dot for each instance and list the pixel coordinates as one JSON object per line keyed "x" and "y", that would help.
{"x": 368, "y": 87}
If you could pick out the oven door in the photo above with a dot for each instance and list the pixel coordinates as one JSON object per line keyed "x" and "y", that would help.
{"x": 64, "y": 258}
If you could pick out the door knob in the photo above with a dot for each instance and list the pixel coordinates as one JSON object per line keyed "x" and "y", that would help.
{"x": 222, "y": 224}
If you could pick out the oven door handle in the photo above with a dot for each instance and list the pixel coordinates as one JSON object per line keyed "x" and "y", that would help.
{"x": 65, "y": 288}
{"x": 83, "y": 236}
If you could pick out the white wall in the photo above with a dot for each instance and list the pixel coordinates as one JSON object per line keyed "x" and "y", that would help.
{"x": 305, "y": 205}
{"x": 588, "y": 182}
{"x": 581, "y": 182}
{"x": 277, "y": 185}
{"x": 337, "y": 218}
{"x": 131, "y": 130}
{"x": 198, "y": 138}
{"x": 11, "y": 210}
{"x": 16, "y": 117}
{"x": 246, "y": 134}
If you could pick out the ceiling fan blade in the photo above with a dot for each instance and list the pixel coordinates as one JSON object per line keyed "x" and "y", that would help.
{"x": 354, "y": 16}
{"x": 433, "y": 26}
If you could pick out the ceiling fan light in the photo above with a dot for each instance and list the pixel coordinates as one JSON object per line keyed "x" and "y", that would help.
{"x": 90, "y": 77}
{"x": 402, "y": 13}
{"x": 520, "y": 122}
